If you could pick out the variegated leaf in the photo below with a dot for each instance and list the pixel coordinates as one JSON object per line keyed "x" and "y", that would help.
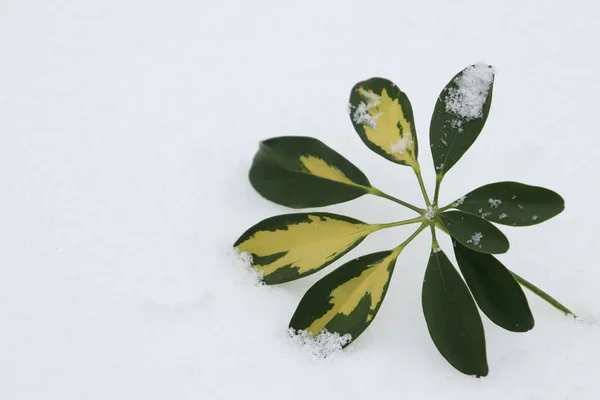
{"x": 346, "y": 300}
{"x": 291, "y": 246}
{"x": 300, "y": 172}
{"x": 382, "y": 116}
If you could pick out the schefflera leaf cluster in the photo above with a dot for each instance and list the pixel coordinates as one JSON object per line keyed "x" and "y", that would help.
{"x": 303, "y": 172}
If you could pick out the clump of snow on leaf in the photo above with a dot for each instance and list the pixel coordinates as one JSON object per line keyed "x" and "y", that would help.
{"x": 322, "y": 345}
{"x": 402, "y": 144}
{"x": 466, "y": 100}
{"x": 362, "y": 114}
{"x": 476, "y": 238}
{"x": 460, "y": 201}
{"x": 494, "y": 203}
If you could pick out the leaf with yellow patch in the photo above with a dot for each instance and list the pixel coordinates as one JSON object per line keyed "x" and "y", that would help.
{"x": 300, "y": 172}
{"x": 383, "y": 118}
{"x": 291, "y": 246}
{"x": 347, "y": 300}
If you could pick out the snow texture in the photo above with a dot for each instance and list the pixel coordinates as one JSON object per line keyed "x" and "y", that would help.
{"x": 495, "y": 203}
{"x": 362, "y": 113}
{"x": 466, "y": 100}
{"x": 430, "y": 213}
{"x": 322, "y": 345}
{"x": 127, "y": 129}
{"x": 476, "y": 238}
{"x": 401, "y": 145}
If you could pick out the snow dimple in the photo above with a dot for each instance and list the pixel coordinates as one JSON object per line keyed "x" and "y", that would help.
{"x": 362, "y": 114}
{"x": 495, "y": 203}
{"x": 476, "y": 238}
{"x": 466, "y": 100}
{"x": 401, "y": 145}
{"x": 322, "y": 345}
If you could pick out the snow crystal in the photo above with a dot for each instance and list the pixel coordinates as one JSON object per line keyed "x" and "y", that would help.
{"x": 460, "y": 201}
{"x": 362, "y": 115}
{"x": 457, "y": 124}
{"x": 484, "y": 214}
{"x": 502, "y": 216}
{"x": 476, "y": 238}
{"x": 494, "y": 203}
{"x": 401, "y": 145}
{"x": 520, "y": 206}
{"x": 534, "y": 217}
{"x": 441, "y": 166}
{"x": 430, "y": 213}
{"x": 514, "y": 197}
{"x": 466, "y": 100}
{"x": 437, "y": 249}
{"x": 323, "y": 345}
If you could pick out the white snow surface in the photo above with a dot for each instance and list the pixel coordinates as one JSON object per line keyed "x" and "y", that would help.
{"x": 127, "y": 129}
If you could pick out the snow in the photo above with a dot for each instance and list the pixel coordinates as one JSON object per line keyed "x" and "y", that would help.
{"x": 466, "y": 100}
{"x": 476, "y": 238}
{"x": 460, "y": 200}
{"x": 401, "y": 145}
{"x": 495, "y": 203}
{"x": 127, "y": 130}
{"x": 502, "y": 216}
{"x": 362, "y": 113}
{"x": 430, "y": 213}
{"x": 324, "y": 344}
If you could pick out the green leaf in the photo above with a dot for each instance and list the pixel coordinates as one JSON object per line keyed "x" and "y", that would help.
{"x": 346, "y": 300}
{"x": 495, "y": 289}
{"x": 474, "y": 232}
{"x": 460, "y": 114}
{"x": 512, "y": 203}
{"x": 291, "y": 246}
{"x": 299, "y": 172}
{"x": 383, "y": 118}
{"x": 452, "y": 317}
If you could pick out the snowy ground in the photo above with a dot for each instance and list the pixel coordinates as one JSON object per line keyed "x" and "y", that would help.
{"x": 126, "y": 132}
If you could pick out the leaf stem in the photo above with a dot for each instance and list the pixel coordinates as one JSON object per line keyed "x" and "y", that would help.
{"x": 400, "y": 223}
{"x": 543, "y": 295}
{"x": 417, "y": 170}
{"x": 438, "y": 182}
{"x": 446, "y": 207}
{"x": 434, "y": 242}
{"x": 401, "y": 246}
{"x": 379, "y": 193}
